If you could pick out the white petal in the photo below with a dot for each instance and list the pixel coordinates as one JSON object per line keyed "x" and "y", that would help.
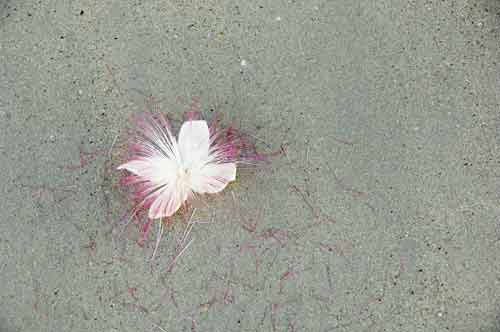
{"x": 212, "y": 178}
{"x": 167, "y": 202}
{"x": 194, "y": 143}
{"x": 157, "y": 170}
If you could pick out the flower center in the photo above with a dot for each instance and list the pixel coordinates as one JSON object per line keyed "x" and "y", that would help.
{"x": 183, "y": 176}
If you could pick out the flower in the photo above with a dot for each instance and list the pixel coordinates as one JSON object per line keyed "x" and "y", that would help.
{"x": 167, "y": 171}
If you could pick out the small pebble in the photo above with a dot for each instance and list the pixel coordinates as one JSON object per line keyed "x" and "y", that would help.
{"x": 243, "y": 63}
{"x": 80, "y": 92}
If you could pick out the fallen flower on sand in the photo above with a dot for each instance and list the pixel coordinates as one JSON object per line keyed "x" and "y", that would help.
{"x": 165, "y": 171}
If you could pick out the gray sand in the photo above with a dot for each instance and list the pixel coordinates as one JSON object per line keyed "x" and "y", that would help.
{"x": 382, "y": 216}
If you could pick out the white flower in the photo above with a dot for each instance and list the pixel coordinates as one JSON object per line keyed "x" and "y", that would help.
{"x": 169, "y": 171}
